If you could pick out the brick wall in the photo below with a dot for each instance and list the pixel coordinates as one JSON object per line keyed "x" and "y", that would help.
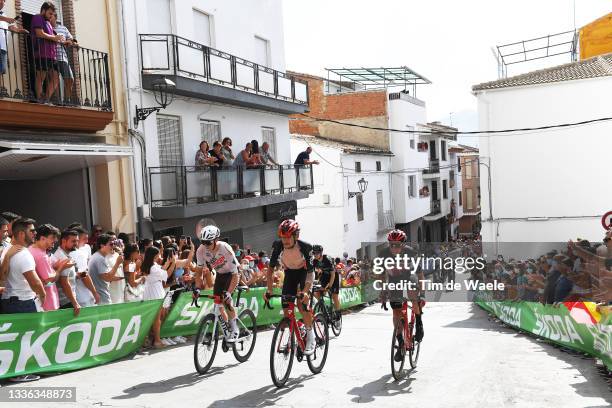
{"x": 367, "y": 108}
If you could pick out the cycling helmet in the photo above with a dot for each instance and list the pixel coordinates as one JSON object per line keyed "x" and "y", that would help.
{"x": 288, "y": 228}
{"x": 396, "y": 236}
{"x": 209, "y": 233}
{"x": 317, "y": 248}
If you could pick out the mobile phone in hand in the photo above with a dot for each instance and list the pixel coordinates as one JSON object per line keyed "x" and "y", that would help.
{"x": 188, "y": 240}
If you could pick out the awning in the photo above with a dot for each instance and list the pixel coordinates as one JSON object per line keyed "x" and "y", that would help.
{"x": 23, "y": 160}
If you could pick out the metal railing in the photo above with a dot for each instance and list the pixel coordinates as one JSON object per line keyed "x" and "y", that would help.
{"x": 435, "y": 207}
{"x": 191, "y": 185}
{"x": 167, "y": 54}
{"x": 79, "y": 76}
{"x": 434, "y": 167}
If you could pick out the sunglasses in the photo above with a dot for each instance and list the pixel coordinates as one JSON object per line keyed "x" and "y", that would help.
{"x": 398, "y": 245}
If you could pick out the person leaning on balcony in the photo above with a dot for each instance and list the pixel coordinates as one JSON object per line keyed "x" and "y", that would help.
{"x": 244, "y": 157}
{"x": 266, "y": 158}
{"x": 226, "y": 149}
{"x": 63, "y": 66}
{"x": 11, "y": 24}
{"x": 303, "y": 158}
{"x": 216, "y": 153}
{"x": 45, "y": 52}
{"x": 202, "y": 158}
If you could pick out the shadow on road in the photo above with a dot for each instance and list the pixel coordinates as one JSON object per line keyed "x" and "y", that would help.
{"x": 264, "y": 396}
{"x": 385, "y": 386}
{"x": 595, "y": 385}
{"x": 163, "y": 386}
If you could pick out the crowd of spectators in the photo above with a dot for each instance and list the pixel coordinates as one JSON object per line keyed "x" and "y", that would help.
{"x": 222, "y": 155}
{"x": 580, "y": 272}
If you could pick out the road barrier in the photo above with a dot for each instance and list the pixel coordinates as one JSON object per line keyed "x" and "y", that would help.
{"x": 53, "y": 342}
{"x": 575, "y": 325}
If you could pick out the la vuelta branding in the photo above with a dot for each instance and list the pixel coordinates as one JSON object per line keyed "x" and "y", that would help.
{"x": 61, "y": 342}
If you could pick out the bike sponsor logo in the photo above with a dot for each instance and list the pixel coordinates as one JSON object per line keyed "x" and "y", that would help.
{"x": 61, "y": 345}
{"x": 507, "y": 314}
{"x": 192, "y": 315}
{"x": 350, "y": 295}
{"x": 556, "y": 328}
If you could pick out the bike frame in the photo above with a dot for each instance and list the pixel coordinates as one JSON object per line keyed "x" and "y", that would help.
{"x": 407, "y": 326}
{"x": 217, "y": 313}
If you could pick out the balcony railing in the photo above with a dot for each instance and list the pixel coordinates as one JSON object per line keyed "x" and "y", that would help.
{"x": 167, "y": 54}
{"x": 435, "y": 207}
{"x": 434, "y": 167}
{"x": 188, "y": 185}
{"x": 89, "y": 87}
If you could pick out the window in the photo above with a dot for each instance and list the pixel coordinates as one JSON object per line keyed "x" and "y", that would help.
{"x": 478, "y": 194}
{"x": 357, "y": 167}
{"x": 211, "y": 131}
{"x": 411, "y": 186}
{"x": 202, "y": 28}
{"x": 412, "y": 142}
{"x": 469, "y": 196}
{"x": 381, "y": 209}
{"x": 359, "y": 207}
{"x": 378, "y": 166}
{"x": 262, "y": 51}
{"x": 460, "y": 200}
{"x": 443, "y": 150}
{"x": 444, "y": 189}
{"x": 468, "y": 169}
{"x": 159, "y": 17}
{"x": 268, "y": 135}
{"x": 169, "y": 141}
{"x": 458, "y": 164}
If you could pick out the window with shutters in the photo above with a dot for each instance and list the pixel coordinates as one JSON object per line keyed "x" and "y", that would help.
{"x": 169, "y": 141}
{"x": 469, "y": 197}
{"x": 159, "y": 17}
{"x": 378, "y": 166}
{"x": 359, "y": 207}
{"x": 202, "y": 28}
{"x": 411, "y": 186}
{"x": 444, "y": 189}
{"x": 460, "y": 201}
{"x": 268, "y": 135}
{"x": 468, "y": 169}
{"x": 443, "y": 150}
{"x": 357, "y": 167}
{"x": 211, "y": 131}
{"x": 262, "y": 51}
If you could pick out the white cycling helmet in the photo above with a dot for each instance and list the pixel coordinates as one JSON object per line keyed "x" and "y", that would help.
{"x": 209, "y": 233}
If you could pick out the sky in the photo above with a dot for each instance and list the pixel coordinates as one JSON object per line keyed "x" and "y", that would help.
{"x": 447, "y": 41}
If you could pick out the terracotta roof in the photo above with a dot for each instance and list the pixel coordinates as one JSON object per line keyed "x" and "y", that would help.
{"x": 346, "y": 147}
{"x": 595, "y": 67}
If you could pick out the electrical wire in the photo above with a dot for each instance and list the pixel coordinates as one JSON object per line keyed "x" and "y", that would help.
{"x": 483, "y": 133}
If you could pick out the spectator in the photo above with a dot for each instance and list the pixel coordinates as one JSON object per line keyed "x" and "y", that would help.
{"x": 18, "y": 270}
{"x": 266, "y": 158}
{"x": 155, "y": 277}
{"x": 10, "y": 24}
{"x": 247, "y": 275}
{"x": 144, "y": 244}
{"x": 46, "y": 237}
{"x": 45, "y": 52}
{"x": 564, "y": 284}
{"x": 244, "y": 157}
{"x": 86, "y": 293}
{"x": 216, "y": 153}
{"x": 117, "y": 287}
{"x": 69, "y": 241}
{"x": 303, "y": 158}
{"x": 63, "y": 66}
{"x": 134, "y": 286}
{"x": 255, "y": 155}
{"x": 237, "y": 251}
{"x": 203, "y": 158}
{"x": 96, "y": 231}
{"x": 4, "y": 224}
{"x": 101, "y": 274}
{"x": 226, "y": 149}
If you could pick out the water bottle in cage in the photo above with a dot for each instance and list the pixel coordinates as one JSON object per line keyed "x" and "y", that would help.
{"x": 302, "y": 329}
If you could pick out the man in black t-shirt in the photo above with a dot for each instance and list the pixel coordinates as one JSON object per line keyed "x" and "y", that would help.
{"x": 303, "y": 158}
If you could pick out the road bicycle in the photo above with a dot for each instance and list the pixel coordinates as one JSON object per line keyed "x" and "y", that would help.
{"x": 207, "y": 339}
{"x": 407, "y": 328}
{"x": 328, "y": 312}
{"x": 289, "y": 339}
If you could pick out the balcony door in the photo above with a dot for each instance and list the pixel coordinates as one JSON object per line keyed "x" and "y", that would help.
{"x": 432, "y": 150}
{"x": 434, "y": 190}
{"x": 170, "y": 147}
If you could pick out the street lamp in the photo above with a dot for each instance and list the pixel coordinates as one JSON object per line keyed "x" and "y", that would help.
{"x": 362, "y": 184}
{"x": 163, "y": 90}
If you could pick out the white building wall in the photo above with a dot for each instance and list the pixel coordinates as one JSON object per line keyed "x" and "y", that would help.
{"x": 335, "y": 225}
{"x": 406, "y": 115}
{"x": 554, "y": 173}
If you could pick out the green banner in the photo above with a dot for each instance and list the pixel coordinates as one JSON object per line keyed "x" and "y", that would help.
{"x": 57, "y": 341}
{"x": 556, "y": 324}
{"x": 183, "y": 319}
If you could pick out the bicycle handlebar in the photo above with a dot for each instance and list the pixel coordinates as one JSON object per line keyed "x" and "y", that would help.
{"x": 287, "y": 297}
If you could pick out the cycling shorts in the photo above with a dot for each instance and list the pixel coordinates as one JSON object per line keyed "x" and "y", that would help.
{"x": 295, "y": 280}
{"x": 335, "y": 287}
{"x": 222, "y": 283}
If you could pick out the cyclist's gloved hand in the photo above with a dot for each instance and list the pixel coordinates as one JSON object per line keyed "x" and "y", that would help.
{"x": 227, "y": 297}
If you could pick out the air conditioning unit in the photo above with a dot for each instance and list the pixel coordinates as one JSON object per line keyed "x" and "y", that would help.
{"x": 326, "y": 199}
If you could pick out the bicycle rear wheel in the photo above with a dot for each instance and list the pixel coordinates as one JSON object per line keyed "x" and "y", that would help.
{"x": 316, "y": 360}
{"x": 397, "y": 367}
{"x": 205, "y": 346}
{"x": 247, "y": 326}
{"x": 281, "y": 353}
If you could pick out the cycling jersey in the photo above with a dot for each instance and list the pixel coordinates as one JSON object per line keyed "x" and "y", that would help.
{"x": 222, "y": 260}
{"x": 326, "y": 265}
{"x": 295, "y": 279}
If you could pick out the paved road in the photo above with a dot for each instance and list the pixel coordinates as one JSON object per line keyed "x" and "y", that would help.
{"x": 466, "y": 361}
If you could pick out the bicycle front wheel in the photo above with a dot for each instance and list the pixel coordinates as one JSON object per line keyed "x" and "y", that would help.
{"x": 281, "y": 353}
{"x": 205, "y": 345}
{"x": 247, "y": 326}
{"x": 413, "y": 351}
{"x": 316, "y": 360}
{"x": 398, "y": 350}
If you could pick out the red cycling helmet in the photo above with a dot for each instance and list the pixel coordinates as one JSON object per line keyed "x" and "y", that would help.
{"x": 396, "y": 236}
{"x": 288, "y": 228}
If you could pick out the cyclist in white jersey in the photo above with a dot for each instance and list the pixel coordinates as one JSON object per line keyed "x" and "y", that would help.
{"x": 219, "y": 255}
